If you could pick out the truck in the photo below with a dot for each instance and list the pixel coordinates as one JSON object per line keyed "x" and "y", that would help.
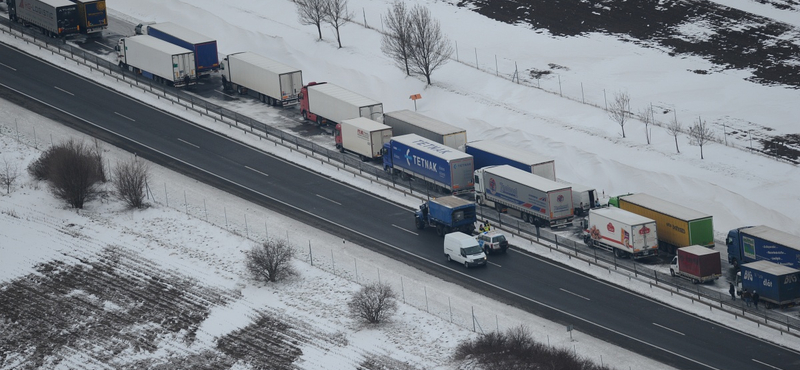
{"x": 756, "y": 243}
{"x": 329, "y": 104}
{"x": 271, "y": 82}
{"x": 678, "y": 226}
{"x": 584, "y": 198}
{"x": 407, "y": 122}
{"x": 494, "y": 153}
{"x": 447, "y": 214}
{"x": 624, "y": 233}
{"x": 696, "y": 263}
{"x": 92, "y": 15}
{"x": 362, "y": 136}
{"x": 56, "y": 18}
{"x": 540, "y": 201}
{"x": 776, "y": 285}
{"x": 157, "y": 60}
{"x": 206, "y": 60}
{"x": 413, "y": 156}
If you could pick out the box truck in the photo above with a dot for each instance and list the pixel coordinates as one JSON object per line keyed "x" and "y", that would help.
{"x": 624, "y": 233}
{"x": 92, "y": 15}
{"x": 540, "y": 201}
{"x": 678, "y": 226}
{"x": 326, "y": 103}
{"x": 447, "y": 214}
{"x": 55, "y": 18}
{"x": 204, "y": 48}
{"x": 157, "y": 60}
{"x": 775, "y": 284}
{"x": 696, "y": 263}
{"x": 584, "y": 198}
{"x": 271, "y": 82}
{"x": 362, "y": 136}
{"x": 407, "y": 122}
{"x": 756, "y": 243}
{"x": 414, "y": 156}
{"x": 494, "y": 153}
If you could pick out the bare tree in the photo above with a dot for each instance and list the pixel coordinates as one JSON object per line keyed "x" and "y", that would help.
{"x": 73, "y": 170}
{"x": 312, "y": 13}
{"x": 619, "y": 110}
{"x": 396, "y": 42}
{"x": 430, "y": 49}
{"x": 130, "y": 179}
{"x": 8, "y": 174}
{"x": 646, "y": 115}
{"x": 337, "y": 16}
{"x": 674, "y": 128}
{"x": 701, "y": 134}
{"x": 374, "y": 302}
{"x": 271, "y": 261}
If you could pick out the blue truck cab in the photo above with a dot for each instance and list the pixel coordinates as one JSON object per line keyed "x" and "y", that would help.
{"x": 447, "y": 214}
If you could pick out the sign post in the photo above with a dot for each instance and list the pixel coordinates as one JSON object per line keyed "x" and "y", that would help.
{"x": 415, "y": 97}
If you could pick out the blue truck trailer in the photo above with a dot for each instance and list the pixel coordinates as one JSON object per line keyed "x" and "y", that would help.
{"x": 92, "y": 15}
{"x": 204, "y": 48}
{"x": 775, "y": 284}
{"x": 414, "y": 156}
{"x": 494, "y": 153}
{"x": 447, "y": 214}
{"x": 757, "y": 243}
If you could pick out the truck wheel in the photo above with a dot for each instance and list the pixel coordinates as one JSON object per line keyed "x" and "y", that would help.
{"x": 672, "y": 272}
{"x": 448, "y": 257}
{"x": 479, "y": 199}
{"x": 439, "y": 230}
{"x": 588, "y": 240}
{"x": 420, "y": 225}
{"x": 695, "y": 281}
{"x": 466, "y": 264}
{"x": 617, "y": 253}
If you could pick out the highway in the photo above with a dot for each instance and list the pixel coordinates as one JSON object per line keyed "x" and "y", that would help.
{"x": 552, "y": 291}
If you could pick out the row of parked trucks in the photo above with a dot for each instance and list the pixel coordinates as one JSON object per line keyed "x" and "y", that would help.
{"x": 58, "y": 18}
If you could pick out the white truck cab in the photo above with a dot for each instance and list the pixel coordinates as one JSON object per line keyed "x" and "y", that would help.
{"x": 492, "y": 241}
{"x": 463, "y": 249}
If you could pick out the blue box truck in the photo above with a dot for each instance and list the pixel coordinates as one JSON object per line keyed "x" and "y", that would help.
{"x": 775, "y": 284}
{"x": 757, "y": 243}
{"x": 415, "y": 156}
{"x": 447, "y": 214}
{"x": 204, "y": 48}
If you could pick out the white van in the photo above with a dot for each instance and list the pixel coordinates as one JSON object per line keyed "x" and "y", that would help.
{"x": 463, "y": 248}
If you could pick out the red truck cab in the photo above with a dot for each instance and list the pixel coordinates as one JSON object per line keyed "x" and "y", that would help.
{"x": 305, "y": 109}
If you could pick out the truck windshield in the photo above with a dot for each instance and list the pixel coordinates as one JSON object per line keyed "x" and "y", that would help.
{"x": 472, "y": 250}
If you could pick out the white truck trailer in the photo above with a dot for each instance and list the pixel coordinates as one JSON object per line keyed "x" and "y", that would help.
{"x": 624, "y": 233}
{"x": 584, "y": 198}
{"x": 540, "y": 201}
{"x": 326, "y": 103}
{"x": 157, "y": 60}
{"x": 271, "y": 82}
{"x": 494, "y": 153}
{"x": 362, "y": 136}
{"x": 407, "y": 122}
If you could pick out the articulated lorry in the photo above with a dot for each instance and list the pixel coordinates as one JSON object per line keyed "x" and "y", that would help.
{"x": 584, "y": 198}
{"x": 407, "y": 122}
{"x": 271, "y": 82}
{"x": 696, "y": 263}
{"x": 763, "y": 243}
{"x": 775, "y": 284}
{"x": 540, "y": 201}
{"x": 363, "y": 137}
{"x": 92, "y": 15}
{"x": 624, "y": 233}
{"x": 447, "y": 214}
{"x": 494, "y": 153}
{"x": 157, "y": 60}
{"x": 326, "y": 103}
{"x": 204, "y": 48}
{"x": 678, "y": 226}
{"x": 413, "y": 156}
{"x": 55, "y": 18}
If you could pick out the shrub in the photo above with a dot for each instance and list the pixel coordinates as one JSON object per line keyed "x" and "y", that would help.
{"x": 73, "y": 171}
{"x": 130, "y": 179}
{"x": 271, "y": 261}
{"x": 374, "y": 303}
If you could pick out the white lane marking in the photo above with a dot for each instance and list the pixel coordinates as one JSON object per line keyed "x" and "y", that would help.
{"x": 492, "y": 263}
{"x": 666, "y": 328}
{"x": 255, "y": 170}
{"x": 62, "y": 90}
{"x": 186, "y": 142}
{"x": 766, "y": 364}
{"x": 124, "y": 116}
{"x": 404, "y": 229}
{"x": 575, "y": 294}
{"x": 8, "y": 66}
{"x": 332, "y": 201}
{"x": 103, "y": 45}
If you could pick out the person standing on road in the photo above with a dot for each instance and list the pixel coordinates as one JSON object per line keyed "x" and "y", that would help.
{"x": 746, "y": 296}
{"x": 756, "y": 297}
{"x": 732, "y": 291}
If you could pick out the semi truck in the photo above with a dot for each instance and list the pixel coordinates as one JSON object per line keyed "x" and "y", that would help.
{"x": 413, "y": 156}
{"x": 494, "y": 153}
{"x": 447, "y": 214}
{"x": 775, "y": 284}
{"x": 540, "y": 201}
{"x": 92, "y": 15}
{"x": 157, "y": 60}
{"x": 696, "y": 263}
{"x": 624, "y": 233}
{"x": 756, "y": 243}
{"x": 204, "y": 48}
{"x": 55, "y": 18}
{"x": 362, "y": 136}
{"x": 271, "y": 82}
{"x": 329, "y": 104}
{"x": 407, "y": 122}
{"x": 678, "y": 226}
{"x": 584, "y": 198}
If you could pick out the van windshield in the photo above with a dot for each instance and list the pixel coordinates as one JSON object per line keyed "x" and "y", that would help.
{"x": 472, "y": 250}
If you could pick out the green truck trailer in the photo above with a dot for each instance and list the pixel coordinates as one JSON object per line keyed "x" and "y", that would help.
{"x": 678, "y": 226}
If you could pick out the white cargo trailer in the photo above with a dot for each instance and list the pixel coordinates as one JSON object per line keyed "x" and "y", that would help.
{"x": 540, "y": 201}
{"x": 157, "y": 60}
{"x": 494, "y": 153}
{"x": 625, "y": 233}
{"x": 271, "y": 82}
{"x": 407, "y": 122}
{"x": 362, "y": 136}
{"x": 326, "y": 103}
